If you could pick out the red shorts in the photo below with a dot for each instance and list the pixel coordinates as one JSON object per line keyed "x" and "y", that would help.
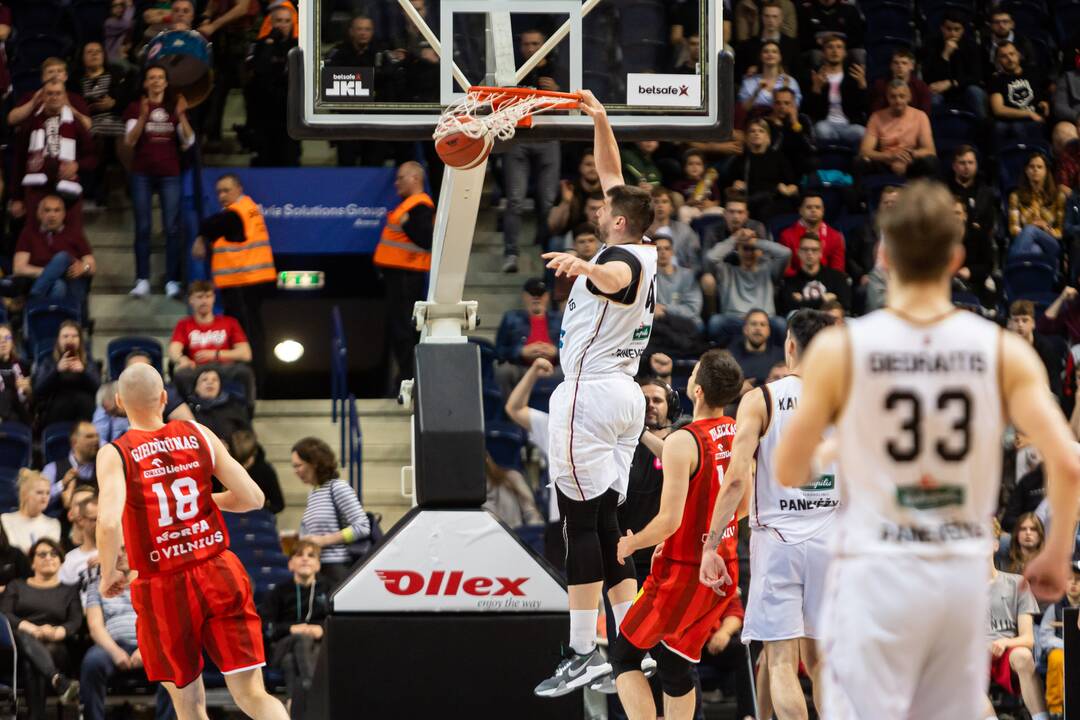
{"x": 1001, "y": 671}
{"x": 208, "y": 605}
{"x": 674, "y": 608}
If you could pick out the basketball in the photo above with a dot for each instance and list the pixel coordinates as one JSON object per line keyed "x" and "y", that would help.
{"x": 463, "y": 152}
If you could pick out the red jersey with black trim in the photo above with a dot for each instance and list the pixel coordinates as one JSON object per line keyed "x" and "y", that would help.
{"x": 170, "y": 520}
{"x": 713, "y": 437}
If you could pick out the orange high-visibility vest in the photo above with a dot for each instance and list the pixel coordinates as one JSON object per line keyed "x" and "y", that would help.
{"x": 247, "y": 263}
{"x": 395, "y": 249}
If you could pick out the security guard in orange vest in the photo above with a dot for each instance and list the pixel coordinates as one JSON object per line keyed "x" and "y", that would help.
{"x": 403, "y": 255}
{"x": 241, "y": 262}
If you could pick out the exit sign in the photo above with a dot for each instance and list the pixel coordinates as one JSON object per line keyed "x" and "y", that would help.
{"x": 301, "y": 279}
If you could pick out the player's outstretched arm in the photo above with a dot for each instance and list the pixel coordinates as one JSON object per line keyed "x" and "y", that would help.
{"x": 112, "y": 495}
{"x": 680, "y": 450}
{"x": 823, "y": 396}
{"x": 734, "y": 485}
{"x": 1033, "y": 410}
{"x": 609, "y": 276}
{"x": 241, "y": 494}
{"x": 605, "y": 148}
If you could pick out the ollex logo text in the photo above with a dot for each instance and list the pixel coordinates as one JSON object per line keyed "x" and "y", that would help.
{"x": 440, "y": 582}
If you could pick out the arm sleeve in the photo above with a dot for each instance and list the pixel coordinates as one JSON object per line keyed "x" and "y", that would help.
{"x": 628, "y": 294}
{"x": 777, "y": 255}
{"x": 8, "y": 600}
{"x": 225, "y": 224}
{"x": 420, "y": 226}
{"x": 348, "y": 506}
{"x": 74, "y": 612}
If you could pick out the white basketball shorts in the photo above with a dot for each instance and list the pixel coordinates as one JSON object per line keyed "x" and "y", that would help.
{"x": 593, "y": 429}
{"x": 905, "y": 637}
{"x": 787, "y": 586}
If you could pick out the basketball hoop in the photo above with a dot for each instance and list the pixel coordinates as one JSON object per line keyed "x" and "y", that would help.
{"x": 499, "y": 111}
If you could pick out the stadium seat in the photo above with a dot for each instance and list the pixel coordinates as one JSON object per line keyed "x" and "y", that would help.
{"x": 879, "y": 55}
{"x": 1030, "y": 277}
{"x": 56, "y": 441}
{"x": 1066, "y": 20}
{"x": 1011, "y": 161}
{"x": 40, "y": 17}
{"x": 16, "y": 444}
{"x": 119, "y": 348}
{"x": 890, "y": 19}
{"x": 42, "y": 323}
{"x": 835, "y": 157}
{"x": 493, "y": 404}
{"x": 533, "y": 536}
{"x": 701, "y": 224}
{"x": 9, "y": 685}
{"x": 541, "y": 394}
{"x": 31, "y": 49}
{"x": 256, "y": 537}
{"x": 953, "y": 127}
{"x": 254, "y": 557}
{"x": 504, "y": 443}
{"x": 487, "y": 359}
{"x": 253, "y": 519}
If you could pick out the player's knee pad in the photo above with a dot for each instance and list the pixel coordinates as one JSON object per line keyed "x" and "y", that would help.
{"x": 584, "y": 559}
{"x": 609, "y": 534}
{"x": 676, "y": 672}
{"x": 624, "y": 656}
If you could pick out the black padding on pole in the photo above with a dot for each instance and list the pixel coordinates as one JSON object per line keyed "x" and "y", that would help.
{"x": 1072, "y": 664}
{"x": 449, "y": 426}
{"x": 406, "y": 666}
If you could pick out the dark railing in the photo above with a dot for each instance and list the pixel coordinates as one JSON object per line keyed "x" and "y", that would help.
{"x": 343, "y": 403}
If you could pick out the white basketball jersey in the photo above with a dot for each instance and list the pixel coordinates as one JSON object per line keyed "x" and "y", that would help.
{"x": 792, "y": 515}
{"x": 603, "y": 334}
{"x": 920, "y": 437}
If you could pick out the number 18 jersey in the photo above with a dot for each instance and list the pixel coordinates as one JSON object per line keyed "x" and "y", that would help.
{"x": 170, "y": 521}
{"x": 920, "y": 436}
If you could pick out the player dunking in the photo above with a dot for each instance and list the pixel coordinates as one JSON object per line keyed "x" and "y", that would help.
{"x": 916, "y": 392}
{"x": 789, "y": 554}
{"x": 675, "y": 615}
{"x": 189, "y": 591}
{"x": 597, "y": 413}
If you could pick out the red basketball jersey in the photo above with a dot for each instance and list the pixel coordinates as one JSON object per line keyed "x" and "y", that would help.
{"x": 170, "y": 520}
{"x": 713, "y": 436}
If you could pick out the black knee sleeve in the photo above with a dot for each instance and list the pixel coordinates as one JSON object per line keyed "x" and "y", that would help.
{"x": 609, "y": 534}
{"x": 624, "y": 656}
{"x": 584, "y": 561}
{"x": 676, "y": 672}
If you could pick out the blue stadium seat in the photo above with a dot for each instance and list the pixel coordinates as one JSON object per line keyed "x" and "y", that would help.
{"x": 879, "y": 55}
{"x": 56, "y": 441}
{"x": 541, "y": 394}
{"x": 701, "y": 224}
{"x": 256, "y": 537}
{"x": 16, "y": 444}
{"x": 9, "y": 685}
{"x": 872, "y": 185}
{"x": 533, "y": 536}
{"x": 32, "y": 48}
{"x": 255, "y": 518}
{"x": 1030, "y": 277}
{"x": 487, "y": 359}
{"x": 890, "y": 19}
{"x": 42, "y": 323}
{"x": 254, "y": 557}
{"x": 119, "y": 348}
{"x": 493, "y": 405}
{"x": 835, "y": 157}
{"x": 953, "y": 126}
{"x": 9, "y": 491}
{"x": 1011, "y": 161}
{"x": 504, "y": 442}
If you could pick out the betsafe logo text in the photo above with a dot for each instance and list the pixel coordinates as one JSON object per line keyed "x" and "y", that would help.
{"x": 681, "y": 90}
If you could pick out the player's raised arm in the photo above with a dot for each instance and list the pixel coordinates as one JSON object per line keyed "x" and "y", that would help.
{"x": 824, "y": 388}
{"x": 680, "y": 451}
{"x": 749, "y": 426}
{"x": 241, "y": 493}
{"x": 605, "y": 148}
{"x": 1032, "y": 408}
{"x": 112, "y": 495}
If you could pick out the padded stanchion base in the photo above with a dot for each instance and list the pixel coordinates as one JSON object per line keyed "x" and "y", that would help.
{"x": 440, "y": 665}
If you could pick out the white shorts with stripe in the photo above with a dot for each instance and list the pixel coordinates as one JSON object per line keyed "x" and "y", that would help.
{"x": 593, "y": 429}
{"x": 905, "y": 637}
{"x": 787, "y": 585}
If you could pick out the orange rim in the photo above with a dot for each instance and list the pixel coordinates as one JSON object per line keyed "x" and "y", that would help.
{"x": 489, "y": 90}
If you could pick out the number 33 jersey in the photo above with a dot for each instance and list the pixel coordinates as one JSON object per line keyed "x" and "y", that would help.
{"x": 170, "y": 520}
{"x": 920, "y": 436}
{"x": 607, "y": 333}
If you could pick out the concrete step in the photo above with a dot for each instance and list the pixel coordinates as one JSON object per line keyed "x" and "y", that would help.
{"x": 371, "y": 452}
{"x": 120, "y": 314}
{"x": 529, "y": 263}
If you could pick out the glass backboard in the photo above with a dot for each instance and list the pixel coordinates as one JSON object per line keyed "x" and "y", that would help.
{"x": 385, "y": 69}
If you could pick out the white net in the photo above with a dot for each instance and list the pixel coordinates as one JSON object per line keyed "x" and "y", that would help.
{"x": 487, "y": 111}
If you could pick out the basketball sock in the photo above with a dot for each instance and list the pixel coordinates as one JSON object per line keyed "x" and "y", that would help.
{"x": 1040, "y": 716}
{"x": 619, "y": 610}
{"x": 583, "y": 631}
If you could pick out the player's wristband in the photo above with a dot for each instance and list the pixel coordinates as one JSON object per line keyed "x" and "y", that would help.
{"x": 348, "y": 534}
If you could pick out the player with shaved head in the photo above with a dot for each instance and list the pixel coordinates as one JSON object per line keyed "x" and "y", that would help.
{"x": 189, "y": 592}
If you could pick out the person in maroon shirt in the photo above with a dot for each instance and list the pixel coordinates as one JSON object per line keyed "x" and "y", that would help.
{"x": 204, "y": 338}
{"x": 52, "y": 68}
{"x": 56, "y": 255}
{"x": 156, "y": 126}
{"x": 902, "y": 67}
